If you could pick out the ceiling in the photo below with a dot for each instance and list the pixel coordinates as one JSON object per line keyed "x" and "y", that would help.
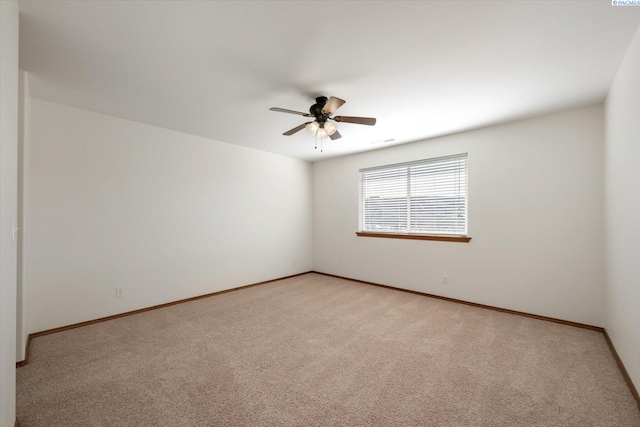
{"x": 423, "y": 69}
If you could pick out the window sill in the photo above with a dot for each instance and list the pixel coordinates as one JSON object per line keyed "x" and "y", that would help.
{"x": 415, "y": 236}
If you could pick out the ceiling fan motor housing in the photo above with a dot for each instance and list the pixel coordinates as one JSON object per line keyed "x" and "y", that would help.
{"x": 316, "y": 109}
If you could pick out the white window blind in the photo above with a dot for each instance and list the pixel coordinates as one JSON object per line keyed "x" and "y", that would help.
{"x": 422, "y": 197}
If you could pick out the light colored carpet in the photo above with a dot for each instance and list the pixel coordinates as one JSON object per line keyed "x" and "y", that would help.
{"x": 315, "y": 350}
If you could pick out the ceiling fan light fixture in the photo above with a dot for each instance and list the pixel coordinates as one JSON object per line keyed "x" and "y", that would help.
{"x": 322, "y": 133}
{"x": 330, "y": 128}
{"x": 313, "y": 127}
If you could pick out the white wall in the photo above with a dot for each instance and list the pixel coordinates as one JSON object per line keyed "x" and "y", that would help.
{"x": 8, "y": 207}
{"x": 24, "y": 116}
{"x": 622, "y": 207}
{"x": 167, "y": 216}
{"x": 535, "y": 218}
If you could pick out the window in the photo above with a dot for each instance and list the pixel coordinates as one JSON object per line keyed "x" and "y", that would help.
{"x": 422, "y": 198}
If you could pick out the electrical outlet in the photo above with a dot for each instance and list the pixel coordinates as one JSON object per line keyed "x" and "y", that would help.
{"x": 119, "y": 292}
{"x": 445, "y": 279}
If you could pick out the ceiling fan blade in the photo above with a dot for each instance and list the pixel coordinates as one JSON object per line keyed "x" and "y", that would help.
{"x": 296, "y": 129}
{"x": 370, "y": 121}
{"x": 336, "y": 135}
{"x": 284, "y": 110}
{"x": 332, "y": 105}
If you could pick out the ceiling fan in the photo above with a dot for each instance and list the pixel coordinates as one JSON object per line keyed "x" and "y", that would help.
{"x": 322, "y": 111}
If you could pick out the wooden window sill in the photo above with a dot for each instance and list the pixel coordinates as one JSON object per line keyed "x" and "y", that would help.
{"x": 415, "y": 236}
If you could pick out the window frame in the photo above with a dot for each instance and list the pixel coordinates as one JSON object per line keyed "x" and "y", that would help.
{"x": 463, "y": 238}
